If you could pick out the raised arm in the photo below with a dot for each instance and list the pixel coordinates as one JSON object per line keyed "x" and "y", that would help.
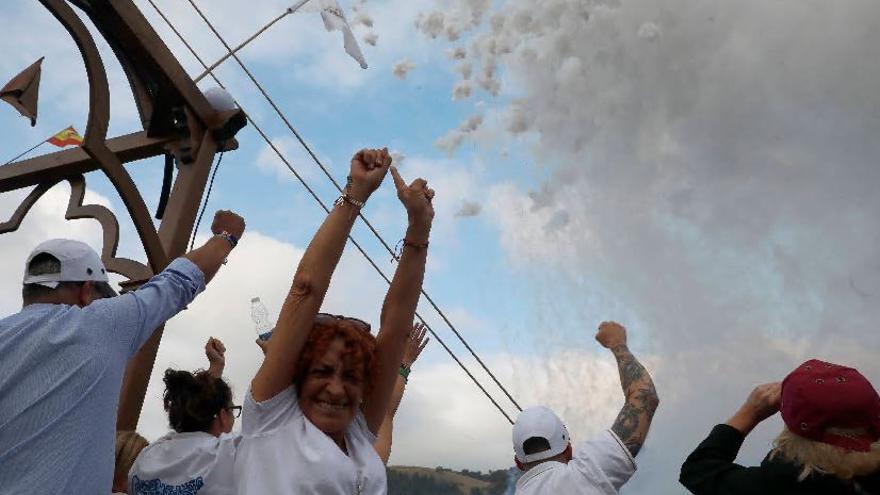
{"x": 312, "y": 278}
{"x": 710, "y": 469}
{"x": 416, "y": 342}
{"x": 227, "y": 228}
{"x": 403, "y": 296}
{"x": 634, "y": 420}
{"x": 215, "y": 351}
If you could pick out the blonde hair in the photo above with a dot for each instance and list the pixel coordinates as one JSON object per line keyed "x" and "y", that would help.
{"x": 818, "y": 457}
{"x": 128, "y": 445}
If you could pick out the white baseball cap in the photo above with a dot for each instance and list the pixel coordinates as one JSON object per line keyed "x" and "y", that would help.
{"x": 539, "y": 422}
{"x": 79, "y": 263}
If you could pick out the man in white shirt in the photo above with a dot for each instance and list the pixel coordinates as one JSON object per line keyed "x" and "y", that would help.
{"x": 599, "y": 466}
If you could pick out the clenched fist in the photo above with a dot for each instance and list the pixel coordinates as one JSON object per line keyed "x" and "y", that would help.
{"x": 368, "y": 169}
{"x": 227, "y": 221}
{"x": 611, "y": 334}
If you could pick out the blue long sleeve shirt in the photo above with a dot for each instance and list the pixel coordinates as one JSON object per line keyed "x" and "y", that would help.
{"x": 61, "y": 370}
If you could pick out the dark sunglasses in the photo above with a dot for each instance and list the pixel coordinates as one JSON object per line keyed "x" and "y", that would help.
{"x": 328, "y": 319}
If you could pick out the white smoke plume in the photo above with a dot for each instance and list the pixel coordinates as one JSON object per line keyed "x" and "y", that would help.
{"x": 468, "y": 209}
{"x": 401, "y": 68}
{"x": 713, "y": 183}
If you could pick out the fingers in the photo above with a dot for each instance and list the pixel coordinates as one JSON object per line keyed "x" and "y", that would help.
{"x": 419, "y": 184}
{"x": 358, "y": 157}
{"x": 386, "y": 158}
{"x": 373, "y": 159}
{"x": 399, "y": 184}
{"x": 422, "y": 346}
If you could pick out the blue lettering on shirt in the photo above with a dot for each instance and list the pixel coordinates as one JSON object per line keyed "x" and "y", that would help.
{"x": 156, "y": 487}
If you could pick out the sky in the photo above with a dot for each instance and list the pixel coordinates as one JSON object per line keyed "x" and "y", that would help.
{"x": 703, "y": 172}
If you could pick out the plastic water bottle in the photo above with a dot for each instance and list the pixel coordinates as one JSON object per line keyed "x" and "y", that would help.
{"x": 260, "y": 317}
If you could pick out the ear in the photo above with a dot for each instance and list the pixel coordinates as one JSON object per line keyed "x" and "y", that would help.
{"x": 86, "y": 294}
{"x": 568, "y": 453}
{"x": 519, "y": 465}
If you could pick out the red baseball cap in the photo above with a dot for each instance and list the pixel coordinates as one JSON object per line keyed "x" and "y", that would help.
{"x": 818, "y": 395}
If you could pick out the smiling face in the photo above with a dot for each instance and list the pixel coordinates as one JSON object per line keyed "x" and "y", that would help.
{"x": 332, "y": 389}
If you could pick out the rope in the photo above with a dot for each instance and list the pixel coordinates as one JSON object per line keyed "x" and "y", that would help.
{"x": 323, "y": 206}
{"x": 192, "y": 241}
{"x": 339, "y": 188}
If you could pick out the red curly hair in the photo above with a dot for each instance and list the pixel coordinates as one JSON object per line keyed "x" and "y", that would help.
{"x": 360, "y": 350}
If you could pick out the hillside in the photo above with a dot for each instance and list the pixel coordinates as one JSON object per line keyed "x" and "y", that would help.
{"x": 408, "y": 480}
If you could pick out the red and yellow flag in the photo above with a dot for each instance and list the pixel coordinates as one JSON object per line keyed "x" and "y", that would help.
{"x": 67, "y": 137}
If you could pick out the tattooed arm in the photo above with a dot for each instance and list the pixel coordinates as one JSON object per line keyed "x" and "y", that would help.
{"x": 634, "y": 420}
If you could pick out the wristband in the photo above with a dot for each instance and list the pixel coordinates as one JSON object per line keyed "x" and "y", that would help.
{"x": 398, "y": 249}
{"x": 231, "y": 239}
{"x": 404, "y": 372}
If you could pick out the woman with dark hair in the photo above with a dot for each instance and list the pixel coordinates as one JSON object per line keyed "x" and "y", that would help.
{"x": 322, "y": 392}
{"x": 197, "y": 456}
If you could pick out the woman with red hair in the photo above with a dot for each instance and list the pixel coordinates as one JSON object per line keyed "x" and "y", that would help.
{"x": 319, "y": 398}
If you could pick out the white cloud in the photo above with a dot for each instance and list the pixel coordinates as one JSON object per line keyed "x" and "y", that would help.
{"x": 402, "y": 68}
{"x": 461, "y": 91}
{"x": 371, "y": 39}
{"x": 468, "y": 209}
{"x": 457, "y": 53}
{"x": 649, "y": 31}
{"x": 453, "y": 139}
{"x": 431, "y": 24}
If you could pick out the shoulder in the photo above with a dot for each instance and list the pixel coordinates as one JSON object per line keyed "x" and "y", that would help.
{"x": 261, "y": 417}
{"x": 605, "y": 445}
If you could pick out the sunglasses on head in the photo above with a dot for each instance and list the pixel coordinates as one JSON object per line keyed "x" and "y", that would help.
{"x": 328, "y": 319}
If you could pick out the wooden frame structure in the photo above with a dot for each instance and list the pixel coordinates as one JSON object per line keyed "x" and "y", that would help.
{"x": 177, "y": 119}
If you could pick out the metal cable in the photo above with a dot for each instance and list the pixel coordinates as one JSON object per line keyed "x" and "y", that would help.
{"x": 192, "y": 241}
{"x": 327, "y": 173}
{"x": 323, "y": 206}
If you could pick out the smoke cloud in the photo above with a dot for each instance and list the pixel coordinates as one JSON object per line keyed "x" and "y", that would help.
{"x": 713, "y": 186}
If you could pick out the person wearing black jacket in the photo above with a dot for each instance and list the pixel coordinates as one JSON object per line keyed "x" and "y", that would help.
{"x": 829, "y": 445}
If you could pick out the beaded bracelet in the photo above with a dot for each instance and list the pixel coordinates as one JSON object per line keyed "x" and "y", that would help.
{"x": 231, "y": 239}
{"x": 345, "y": 198}
{"x": 404, "y": 372}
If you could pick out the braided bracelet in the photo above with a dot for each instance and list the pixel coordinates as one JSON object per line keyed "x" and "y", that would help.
{"x": 398, "y": 249}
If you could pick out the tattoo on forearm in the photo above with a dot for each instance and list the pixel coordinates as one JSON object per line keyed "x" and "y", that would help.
{"x": 634, "y": 419}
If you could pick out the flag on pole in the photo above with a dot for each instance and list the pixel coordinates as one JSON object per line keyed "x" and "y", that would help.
{"x": 22, "y": 91}
{"x": 67, "y": 137}
{"x": 334, "y": 20}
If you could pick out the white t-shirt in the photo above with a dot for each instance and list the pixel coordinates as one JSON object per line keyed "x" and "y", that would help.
{"x": 185, "y": 464}
{"x": 282, "y": 452}
{"x": 598, "y": 467}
